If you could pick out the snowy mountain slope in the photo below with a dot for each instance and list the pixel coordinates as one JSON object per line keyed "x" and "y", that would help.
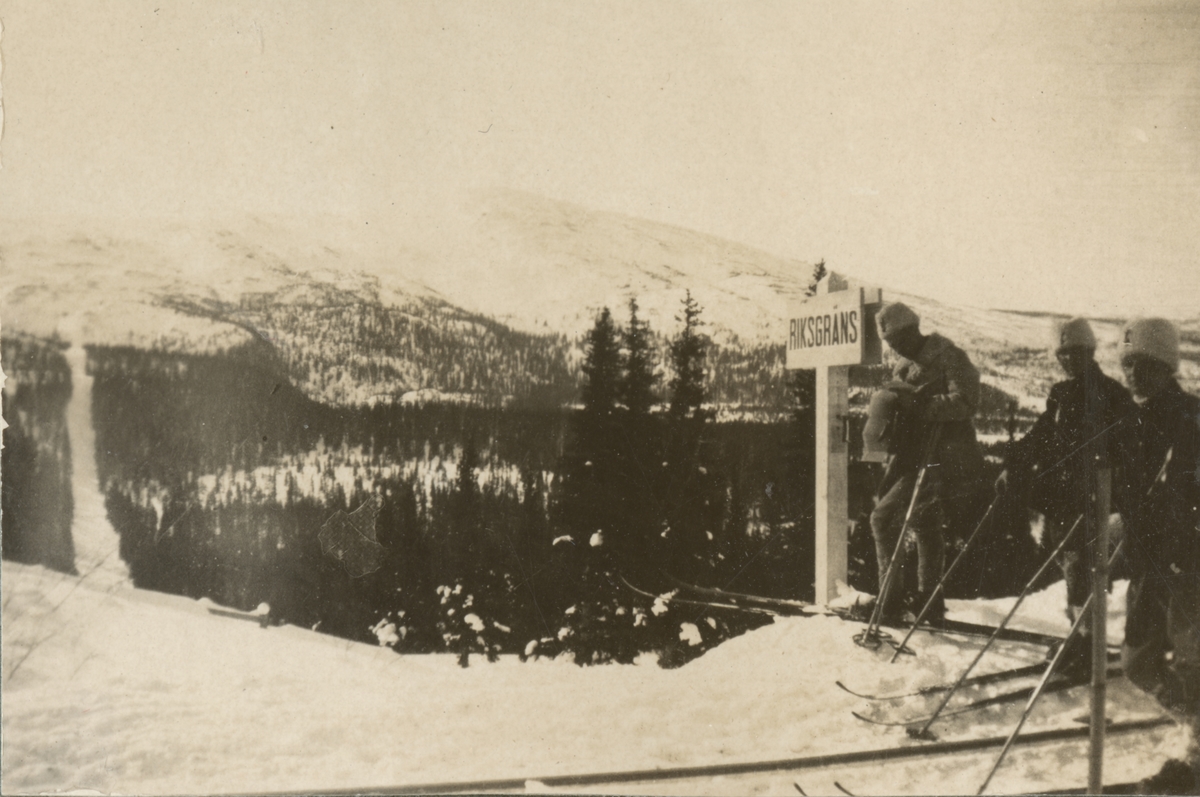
{"x": 103, "y": 282}
{"x": 122, "y": 690}
{"x": 537, "y": 265}
{"x": 513, "y": 254}
{"x": 531, "y": 261}
{"x": 343, "y": 334}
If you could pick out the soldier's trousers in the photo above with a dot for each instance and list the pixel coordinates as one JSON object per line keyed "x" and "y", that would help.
{"x": 1163, "y": 614}
{"x": 926, "y": 523}
{"x": 1073, "y": 561}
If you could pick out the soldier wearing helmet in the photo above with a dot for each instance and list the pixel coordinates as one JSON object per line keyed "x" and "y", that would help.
{"x": 1163, "y": 532}
{"x": 937, "y": 389}
{"x": 1077, "y": 433}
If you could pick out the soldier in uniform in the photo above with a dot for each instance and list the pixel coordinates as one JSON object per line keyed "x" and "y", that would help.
{"x": 1163, "y": 602}
{"x": 1078, "y": 432}
{"x": 938, "y": 388}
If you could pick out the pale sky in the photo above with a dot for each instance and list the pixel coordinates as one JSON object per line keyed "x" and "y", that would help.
{"x": 1023, "y": 155}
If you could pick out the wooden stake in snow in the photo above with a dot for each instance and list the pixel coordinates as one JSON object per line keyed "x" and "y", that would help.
{"x": 830, "y": 332}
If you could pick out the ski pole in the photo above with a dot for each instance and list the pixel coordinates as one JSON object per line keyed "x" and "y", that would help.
{"x": 942, "y": 583}
{"x": 924, "y": 733}
{"x": 959, "y": 558}
{"x": 901, "y": 648}
{"x": 1037, "y": 692}
{"x": 1159, "y": 478}
{"x": 870, "y": 636}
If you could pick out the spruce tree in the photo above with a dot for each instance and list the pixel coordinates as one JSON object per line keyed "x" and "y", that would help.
{"x": 592, "y": 465}
{"x": 591, "y": 509}
{"x": 690, "y": 486}
{"x": 640, "y": 455}
{"x": 819, "y": 273}
{"x": 532, "y": 552}
{"x": 602, "y": 367}
{"x": 688, "y": 352}
{"x": 467, "y": 518}
{"x": 637, "y": 386}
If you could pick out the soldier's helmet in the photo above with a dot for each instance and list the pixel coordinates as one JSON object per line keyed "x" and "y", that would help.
{"x": 1152, "y": 337}
{"x": 895, "y": 316}
{"x": 1076, "y": 333}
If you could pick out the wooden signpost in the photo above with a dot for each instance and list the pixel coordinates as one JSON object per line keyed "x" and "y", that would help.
{"x": 830, "y": 332}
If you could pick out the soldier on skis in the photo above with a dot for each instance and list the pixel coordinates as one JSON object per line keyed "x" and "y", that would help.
{"x": 1078, "y": 432}
{"x": 937, "y": 389}
{"x": 1163, "y": 602}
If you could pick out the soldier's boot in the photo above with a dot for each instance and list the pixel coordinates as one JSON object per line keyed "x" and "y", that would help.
{"x": 892, "y": 614}
{"x": 1076, "y": 661}
{"x": 1175, "y": 777}
{"x": 936, "y": 616}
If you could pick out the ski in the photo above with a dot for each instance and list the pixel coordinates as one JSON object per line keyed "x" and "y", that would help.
{"x": 1007, "y": 634}
{"x": 983, "y": 702}
{"x": 799, "y": 607}
{"x": 975, "y": 705}
{"x": 261, "y": 615}
{"x": 667, "y": 597}
{"x": 795, "y": 608}
{"x": 977, "y": 680}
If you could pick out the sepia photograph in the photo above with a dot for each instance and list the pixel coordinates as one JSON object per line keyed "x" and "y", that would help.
{"x": 623, "y": 398}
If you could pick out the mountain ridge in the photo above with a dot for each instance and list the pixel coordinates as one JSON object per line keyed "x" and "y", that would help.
{"x": 539, "y": 267}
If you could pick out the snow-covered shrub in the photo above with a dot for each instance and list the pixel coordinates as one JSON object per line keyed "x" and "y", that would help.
{"x": 463, "y": 630}
{"x": 689, "y": 633}
{"x": 392, "y": 629}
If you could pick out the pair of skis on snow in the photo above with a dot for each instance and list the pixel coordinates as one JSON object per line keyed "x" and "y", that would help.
{"x": 1057, "y": 683}
{"x": 712, "y": 597}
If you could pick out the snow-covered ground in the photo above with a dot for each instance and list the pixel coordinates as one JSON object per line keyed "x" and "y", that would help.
{"x": 113, "y": 689}
{"x": 120, "y": 690}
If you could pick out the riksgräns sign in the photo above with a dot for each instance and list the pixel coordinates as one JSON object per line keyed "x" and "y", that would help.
{"x": 830, "y": 329}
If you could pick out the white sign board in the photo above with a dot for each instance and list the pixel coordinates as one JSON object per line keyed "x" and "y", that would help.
{"x": 827, "y": 330}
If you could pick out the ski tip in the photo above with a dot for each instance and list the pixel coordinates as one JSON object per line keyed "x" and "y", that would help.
{"x": 864, "y": 696}
{"x": 843, "y": 789}
{"x": 802, "y": 791}
{"x": 902, "y": 723}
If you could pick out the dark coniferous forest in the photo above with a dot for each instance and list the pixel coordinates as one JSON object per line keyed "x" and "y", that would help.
{"x": 36, "y": 467}
{"x": 545, "y": 518}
